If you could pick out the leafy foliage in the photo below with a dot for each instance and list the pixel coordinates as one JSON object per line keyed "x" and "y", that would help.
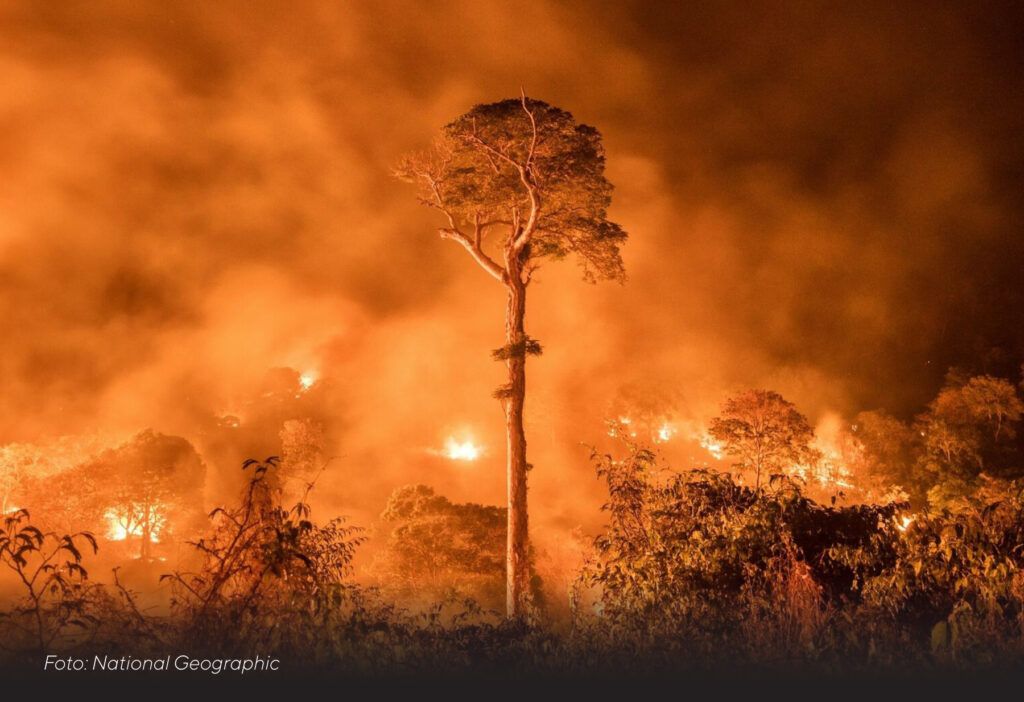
{"x": 693, "y": 567}
{"x": 763, "y": 431}
{"x": 262, "y": 561}
{"x": 148, "y": 486}
{"x": 437, "y": 549}
{"x": 500, "y": 161}
{"x": 968, "y": 429}
{"x": 54, "y": 588}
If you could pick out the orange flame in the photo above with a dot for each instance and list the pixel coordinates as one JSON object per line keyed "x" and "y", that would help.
{"x": 121, "y": 526}
{"x": 713, "y": 447}
{"x": 665, "y": 432}
{"x": 461, "y": 450}
{"x": 902, "y": 523}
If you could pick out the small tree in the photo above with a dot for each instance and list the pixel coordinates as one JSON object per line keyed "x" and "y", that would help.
{"x": 968, "y": 429}
{"x": 150, "y": 481}
{"x": 436, "y": 547}
{"x": 886, "y": 457}
{"x": 763, "y": 431}
{"x": 48, "y": 568}
{"x": 994, "y": 403}
{"x": 518, "y": 181}
{"x": 263, "y": 562}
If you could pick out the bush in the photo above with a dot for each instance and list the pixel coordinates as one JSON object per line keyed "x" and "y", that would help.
{"x": 693, "y": 569}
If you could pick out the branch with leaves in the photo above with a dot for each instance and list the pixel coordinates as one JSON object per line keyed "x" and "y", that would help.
{"x": 260, "y": 558}
{"x": 54, "y": 583}
{"x": 528, "y": 169}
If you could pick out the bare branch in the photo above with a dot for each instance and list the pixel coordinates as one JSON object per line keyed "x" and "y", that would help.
{"x": 533, "y": 128}
{"x": 530, "y": 270}
{"x": 525, "y": 175}
{"x": 453, "y": 232}
{"x": 478, "y": 232}
{"x": 531, "y": 223}
{"x": 474, "y": 139}
{"x": 473, "y": 247}
{"x": 496, "y": 223}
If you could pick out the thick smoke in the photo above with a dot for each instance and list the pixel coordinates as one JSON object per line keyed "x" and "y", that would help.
{"x": 824, "y": 202}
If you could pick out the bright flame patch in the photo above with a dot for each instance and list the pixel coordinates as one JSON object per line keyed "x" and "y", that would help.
{"x": 665, "y": 432}
{"x": 119, "y": 529}
{"x": 713, "y": 447}
{"x": 461, "y": 450}
{"x": 902, "y": 523}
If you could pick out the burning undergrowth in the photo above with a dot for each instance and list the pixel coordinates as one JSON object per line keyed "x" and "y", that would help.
{"x": 695, "y": 568}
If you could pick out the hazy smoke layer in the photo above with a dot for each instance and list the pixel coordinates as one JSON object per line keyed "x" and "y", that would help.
{"x": 821, "y": 201}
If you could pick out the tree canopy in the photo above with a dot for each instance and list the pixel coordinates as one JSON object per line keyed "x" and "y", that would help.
{"x": 763, "y": 431}
{"x": 526, "y": 168}
{"x": 436, "y": 545}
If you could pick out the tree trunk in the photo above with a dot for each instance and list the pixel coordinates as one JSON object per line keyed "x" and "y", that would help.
{"x": 147, "y": 535}
{"x": 517, "y": 569}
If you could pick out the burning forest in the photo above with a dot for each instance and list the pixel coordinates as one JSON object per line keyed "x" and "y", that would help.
{"x": 355, "y": 339}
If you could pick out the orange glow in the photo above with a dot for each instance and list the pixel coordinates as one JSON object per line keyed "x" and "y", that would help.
{"x": 713, "y": 447}
{"x": 120, "y": 526}
{"x": 622, "y": 424}
{"x": 829, "y": 472}
{"x": 665, "y": 432}
{"x": 199, "y": 226}
{"x": 461, "y": 450}
{"x": 830, "y": 469}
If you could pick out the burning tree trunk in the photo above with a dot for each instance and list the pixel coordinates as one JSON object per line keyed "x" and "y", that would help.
{"x": 147, "y": 533}
{"x": 517, "y": 554}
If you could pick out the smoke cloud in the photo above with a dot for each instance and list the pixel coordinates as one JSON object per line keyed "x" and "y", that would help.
{"x": 820, "y": 201}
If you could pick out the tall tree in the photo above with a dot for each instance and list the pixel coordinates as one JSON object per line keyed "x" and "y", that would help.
{"x": 763, "y": 431}
{"x": 518, "y": 181}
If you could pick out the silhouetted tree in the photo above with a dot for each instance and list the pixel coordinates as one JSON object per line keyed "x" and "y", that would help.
{"x": 437, "y": 546}
{"x": 302, "y": 454}
{"x": 887, "y": 451}
{"x": 763, "y": 431}
{"x": 52, "y": 582}
{"x": 263, "y": 562}
{"x": 969, "y": 430}
{"x": 518, "y": 181}
{"x": 24, "y": 465}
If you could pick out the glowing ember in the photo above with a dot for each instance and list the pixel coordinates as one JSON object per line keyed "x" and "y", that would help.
{"x": 306, "y": 380}
{"x": 903, "y": 522}
{"x": 664, "y": 433}
{"x": 713, "y": 447}
{"x": 623, "y": 424}
{"x": 461, "y": 450}
{"x": 829, "y": 472}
